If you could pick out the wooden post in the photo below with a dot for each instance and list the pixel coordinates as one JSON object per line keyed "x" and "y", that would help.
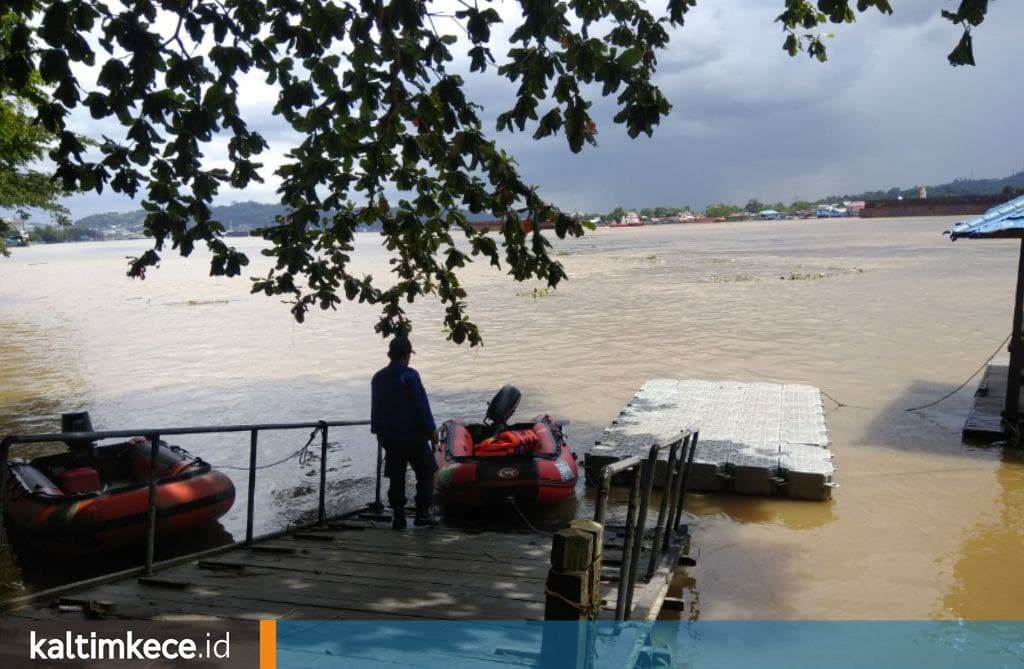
{"x": 1011, "y": 411}
{"x": 594, "y": 583}
{"x": 568, "y": 598}
{"x": 568, "y": 585}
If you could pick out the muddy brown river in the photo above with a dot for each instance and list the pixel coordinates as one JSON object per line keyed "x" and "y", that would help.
{"x": 882, "y": 315}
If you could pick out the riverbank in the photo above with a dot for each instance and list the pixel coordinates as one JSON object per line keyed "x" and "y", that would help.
{"x": 881, "y": 314}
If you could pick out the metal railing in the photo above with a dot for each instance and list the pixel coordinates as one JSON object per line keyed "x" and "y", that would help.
{"x": 642, "y": 471}
{"x": 154, "y": 435}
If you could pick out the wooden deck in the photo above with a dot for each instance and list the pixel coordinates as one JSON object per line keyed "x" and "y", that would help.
{"x": 985, "y": 423}
{"x": 353, "y": 569}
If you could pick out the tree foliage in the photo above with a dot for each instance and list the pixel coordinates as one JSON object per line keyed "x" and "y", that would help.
{"x": 720, "y": 210}
{"x": 22, "y": 144}
{"x": 55, "y": 234}
{"x": 388, "y": 133}
{"x": 616, "y": 214}
{"x": 802, "y": 16}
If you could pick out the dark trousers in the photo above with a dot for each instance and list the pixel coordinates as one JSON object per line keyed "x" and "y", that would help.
{"x": 418, "y": 455}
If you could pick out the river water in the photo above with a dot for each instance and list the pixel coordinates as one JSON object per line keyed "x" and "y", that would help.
{"x": 882, "y": 315}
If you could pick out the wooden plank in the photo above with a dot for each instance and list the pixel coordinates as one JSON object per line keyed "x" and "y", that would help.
{"x": 131, "y": 601}
{"x": 530, "y": 588}
{"x": 44, "y": 614}
{"x": 348, "y": 573}
{"x": 420, "y": 560}
{"x": 409, "y": 582}
{"x": 364, "y": 574}
{"x": 487, "y": 555}
{"x": 984, "y": 422}
{"x": 438, "y": 541}
{"x": 310, "y": 590}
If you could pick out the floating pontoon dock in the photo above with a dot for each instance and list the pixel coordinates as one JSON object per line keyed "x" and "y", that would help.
{"x": 755, "y": 438}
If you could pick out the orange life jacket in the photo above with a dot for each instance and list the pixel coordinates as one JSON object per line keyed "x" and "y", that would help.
{"x": 509, "y": 442}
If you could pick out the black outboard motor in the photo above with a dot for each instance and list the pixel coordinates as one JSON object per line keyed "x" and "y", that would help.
{"x": 502, "y": 406}
{"x": 77, "y": 422}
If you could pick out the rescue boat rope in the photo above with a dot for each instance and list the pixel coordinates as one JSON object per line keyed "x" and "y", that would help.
{"x": 840, "y": 405}
{"x": 587, "y": 610}
{"x": 958, "y": 388}
{"x": 305, "y": 454}
{"x": 533, "y": 528}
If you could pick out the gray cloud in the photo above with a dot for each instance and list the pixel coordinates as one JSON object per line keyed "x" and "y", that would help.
{"x": 749, "y": 121}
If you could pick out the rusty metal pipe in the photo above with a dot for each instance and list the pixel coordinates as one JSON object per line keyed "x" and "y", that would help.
{"x": 627, "y": 572}
{"x": 154, "y": 449}
{"x": 663, "y": 511}
{"x": 322, "y": 508}
{"x": 251, "y": 494}
{"x": 684, "y": 483}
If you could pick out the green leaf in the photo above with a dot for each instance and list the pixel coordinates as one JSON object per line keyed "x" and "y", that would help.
{"x": 631, "y": 57}
{"x": 963, "y": 53}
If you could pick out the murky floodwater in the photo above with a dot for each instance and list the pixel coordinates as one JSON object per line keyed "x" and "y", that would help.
{"x": 881, "y": 314}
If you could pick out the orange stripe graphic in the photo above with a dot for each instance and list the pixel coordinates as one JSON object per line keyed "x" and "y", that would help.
{"x": 268, "y": 644}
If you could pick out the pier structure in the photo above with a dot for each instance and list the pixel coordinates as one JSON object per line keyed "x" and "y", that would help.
{"x": 755, "y": 438}
{"x": 1005, "y": 221}
{"x": 984, "y": 422}
{"x": 354, "y": 566}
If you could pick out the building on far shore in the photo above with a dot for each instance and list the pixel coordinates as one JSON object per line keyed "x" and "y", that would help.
{"x": 854, "y": 207}
{"x": 932, "y": 206}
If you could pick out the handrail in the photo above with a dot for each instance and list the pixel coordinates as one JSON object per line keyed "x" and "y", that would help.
{"x": 669, "y": 512}
{"x": 154, "y": 434}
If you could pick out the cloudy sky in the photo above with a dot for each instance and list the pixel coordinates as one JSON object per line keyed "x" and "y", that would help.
{"x": 749, "y": 121}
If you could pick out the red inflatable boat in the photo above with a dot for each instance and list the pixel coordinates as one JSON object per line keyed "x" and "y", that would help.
{"x": 481, "y": 464}
{"x": 96, "y": 497}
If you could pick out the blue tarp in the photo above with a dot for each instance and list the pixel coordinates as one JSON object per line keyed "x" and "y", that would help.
{"x": 1006, "y": 220}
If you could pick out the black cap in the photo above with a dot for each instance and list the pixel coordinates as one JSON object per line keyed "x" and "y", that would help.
{"x": 400, "y": 347}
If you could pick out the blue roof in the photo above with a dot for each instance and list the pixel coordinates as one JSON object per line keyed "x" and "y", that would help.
{"x": 1006, "y": 220}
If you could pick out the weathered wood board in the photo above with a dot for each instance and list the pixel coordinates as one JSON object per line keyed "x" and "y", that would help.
{"x": 985, "y": 421}
{"x": 352, "y": 571}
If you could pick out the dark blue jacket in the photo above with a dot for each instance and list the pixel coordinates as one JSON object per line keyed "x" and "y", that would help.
{"x": 399, "y": 408}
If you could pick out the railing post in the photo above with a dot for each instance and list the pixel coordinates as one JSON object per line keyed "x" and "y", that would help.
{"x": 603, "y": 491}
{"x": 647, "y": 484}
{"x": 672, "y": 513}
{"x": 378, "y": 506}
{"x": 663, "y": 510}
{"x": 5, "y": 452}
{"x": 685, "y": 479}
{"x": 322, "y": 509}
{"x": 154, "y": 449}
{"x": 251, "y": 501}
{"x": 626, "y": 571}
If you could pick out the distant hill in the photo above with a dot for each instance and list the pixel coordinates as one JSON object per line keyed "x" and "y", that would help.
{"x": 955, "y": 188}
{"x": 238, "y": 216}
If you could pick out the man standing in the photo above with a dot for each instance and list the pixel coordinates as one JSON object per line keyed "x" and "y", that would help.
{"x": 400, "y": 417}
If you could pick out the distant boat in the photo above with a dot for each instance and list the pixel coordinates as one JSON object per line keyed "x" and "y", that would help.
{"x": 630, "y": 220}
{"x": 828, "y": 211}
